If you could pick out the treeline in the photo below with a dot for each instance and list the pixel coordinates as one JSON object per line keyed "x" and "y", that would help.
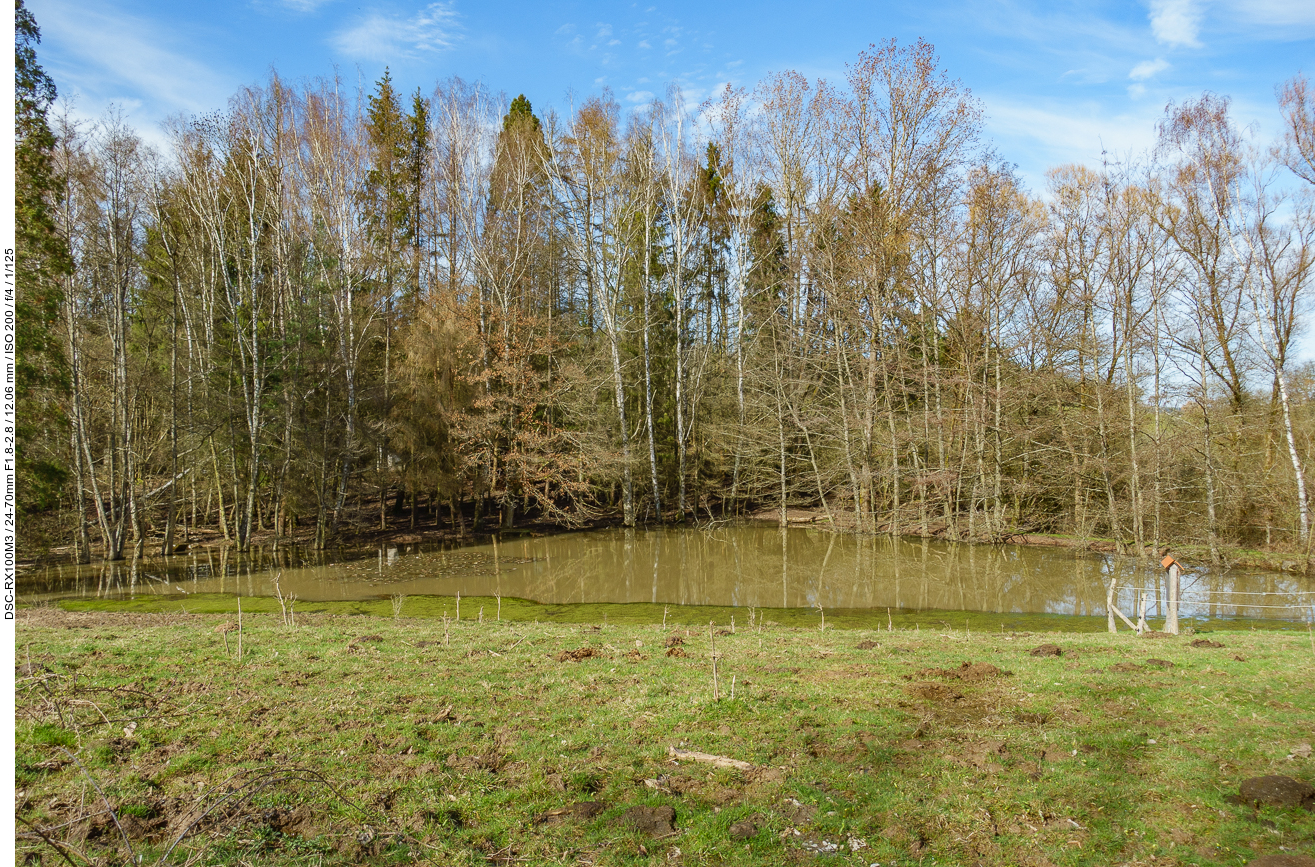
{"x": 442, "y": 308}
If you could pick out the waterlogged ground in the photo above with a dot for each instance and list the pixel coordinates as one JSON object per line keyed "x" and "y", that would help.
{"x": 380, "y": 740}
{"x": 731, "y": 566}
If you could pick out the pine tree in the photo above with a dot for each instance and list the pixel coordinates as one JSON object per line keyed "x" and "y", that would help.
{"x": 43, "y": 259}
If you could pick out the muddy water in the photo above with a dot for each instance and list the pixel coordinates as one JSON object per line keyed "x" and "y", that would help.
{"x": 758, "y": 566}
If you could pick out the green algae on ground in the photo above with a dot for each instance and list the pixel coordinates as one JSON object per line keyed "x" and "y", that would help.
{"x": 644, "y": 613}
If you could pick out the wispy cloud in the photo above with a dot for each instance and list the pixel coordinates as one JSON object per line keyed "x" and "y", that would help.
{"x": 1053, "y": 134}
{"x": 1176, "y": 22}
{"x": 379, "y": 36}
{"x": 121, "y": 58}
{"x": 304, "y": 5}
{"x": 1148, "y": 69}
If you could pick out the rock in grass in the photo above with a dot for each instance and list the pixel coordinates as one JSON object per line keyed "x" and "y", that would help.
{"x": 654, "y": 821}
{"x": 1276, "y": 790}
{"x": 1282, "y": 859}
{"x": 1047, "y": 650}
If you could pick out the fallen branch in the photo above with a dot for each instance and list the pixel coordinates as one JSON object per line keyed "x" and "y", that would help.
{"x": 709, "y": 759}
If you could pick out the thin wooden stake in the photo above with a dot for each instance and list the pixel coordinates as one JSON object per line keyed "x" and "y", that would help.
{"x": 712, "y": 641}
{"x": 239, "y": 629}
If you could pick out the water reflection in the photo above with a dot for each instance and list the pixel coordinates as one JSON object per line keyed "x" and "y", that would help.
{"x": 740, "y": 565}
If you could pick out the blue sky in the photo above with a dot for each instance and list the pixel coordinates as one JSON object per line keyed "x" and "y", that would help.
{"x": 1058, "y": 80}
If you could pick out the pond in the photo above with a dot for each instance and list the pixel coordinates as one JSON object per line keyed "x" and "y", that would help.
{"x": 737, "y": 565}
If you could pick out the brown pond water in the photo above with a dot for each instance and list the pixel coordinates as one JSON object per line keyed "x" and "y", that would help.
{"x": 747, "y": 565}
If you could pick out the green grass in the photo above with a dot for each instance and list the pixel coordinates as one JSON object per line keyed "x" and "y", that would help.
{"x": 353, "y": 739}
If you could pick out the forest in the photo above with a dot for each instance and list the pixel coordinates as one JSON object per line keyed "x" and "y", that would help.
{"x": 325, "y": 308}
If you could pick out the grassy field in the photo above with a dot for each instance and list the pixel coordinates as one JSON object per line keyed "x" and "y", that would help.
{"x": 347, "y": 739}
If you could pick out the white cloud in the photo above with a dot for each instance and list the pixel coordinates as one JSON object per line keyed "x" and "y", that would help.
{"x": 640, "y": 96}
{"x": 380, "y": 37}
{"x": 1148, "y": 69}
{"x": 1175, "y": 22}
{"x": 1136, "y": 91}
{"x": 643, "y": 43}
{"x": 604, "y": 31}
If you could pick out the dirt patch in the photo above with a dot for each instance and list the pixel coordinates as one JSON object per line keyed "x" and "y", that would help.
{"x": 933, "y": 692}
{"x": 797, "y": 813}
{"x": 986, "y": 756}
{"x": 971, "y": 672}
{"x": 1031, "y": 718}
{"x": 487, "y": 762}
{"x": 677, "y": 652}
{"x": 1282, "y": 860}
{"x": 867, "y": 644}
{"x": 303, "y": 822}
{"x": 1046, "y": 650}
{"x": 653, "y": 821}
{"x": 577, "y": 655}
{"x": 1159, "y": 663}
{"x": 1277, "y": 791}
{"x": 582, "y": 811}
{"x": 1126, "y": 667}
{"x": 1205, "y": 642}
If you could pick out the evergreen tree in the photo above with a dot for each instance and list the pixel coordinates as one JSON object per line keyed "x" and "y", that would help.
{"x": 42, "y": 261}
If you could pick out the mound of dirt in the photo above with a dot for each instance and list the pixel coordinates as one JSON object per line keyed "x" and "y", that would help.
{"x": 867, "y": 644}
{"x": 745, "y": 828}
{"x": 971, "y": 672}
{"x": 677, "y": 652}
{"x": 654, "y": 821}
{"x": 935, "y": 692}
{"x": 577, "y": 655}
{"x": 1282, "y": 859}
{"x": 1277, "y": 791}
{"x": 1205, "y": 642}
{"x": 1046, "y": 650}
{"x": 583, "y": 811}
